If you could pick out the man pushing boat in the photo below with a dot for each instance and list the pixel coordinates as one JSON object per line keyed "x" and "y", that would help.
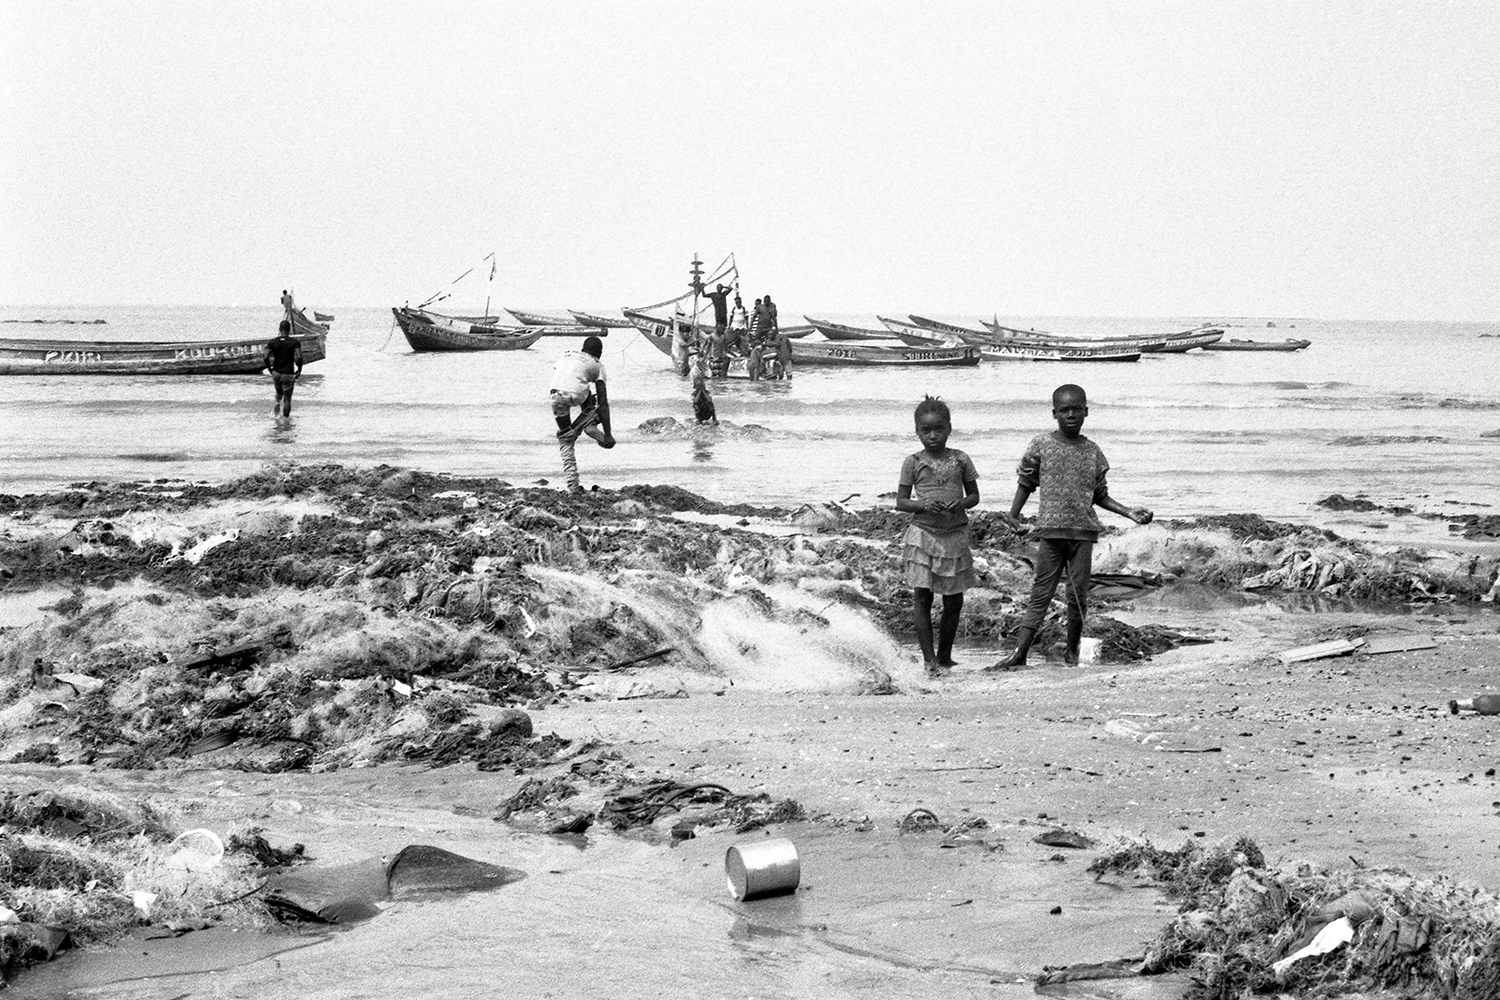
{"x": 578, "y": 381}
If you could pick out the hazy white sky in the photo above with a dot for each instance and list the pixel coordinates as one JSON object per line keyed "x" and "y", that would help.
{"x": 1264, "y": 158}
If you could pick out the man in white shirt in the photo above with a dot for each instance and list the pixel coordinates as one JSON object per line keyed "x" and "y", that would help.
{"x": 578, "y": 381}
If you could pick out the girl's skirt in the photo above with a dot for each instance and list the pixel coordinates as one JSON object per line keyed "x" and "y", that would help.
{"x": 939, "y": 561}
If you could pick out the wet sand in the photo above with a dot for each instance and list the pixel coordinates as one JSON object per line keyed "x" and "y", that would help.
{"x": 1334, "y": 762}
{"x": 1355, "y": 757}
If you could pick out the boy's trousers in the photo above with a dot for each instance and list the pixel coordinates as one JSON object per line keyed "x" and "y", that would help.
{"x": 1056, "y": 558}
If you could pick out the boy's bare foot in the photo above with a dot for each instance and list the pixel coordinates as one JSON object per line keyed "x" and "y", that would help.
{"x": 948, "y": 664}
{"x": 935, "y": 669}
{"x": 1070, "y": 658}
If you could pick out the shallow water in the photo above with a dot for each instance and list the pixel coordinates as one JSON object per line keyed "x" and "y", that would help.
{"x": 1186, "y": 434}
{"x": 876, "y": 915}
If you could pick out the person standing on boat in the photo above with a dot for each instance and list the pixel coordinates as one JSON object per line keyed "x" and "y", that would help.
{"x": 739, "y": 323}
{"x": 287, "y": 303}
{"x": 578, "y": 381}
{"x": 283, "y": 359}
{"x": 720, "y": 298}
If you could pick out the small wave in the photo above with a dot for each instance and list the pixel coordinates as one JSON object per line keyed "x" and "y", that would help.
{"x": 157, "y": 456}
{"x": 673, "y": 429}
{"x": 1362, "y": 440}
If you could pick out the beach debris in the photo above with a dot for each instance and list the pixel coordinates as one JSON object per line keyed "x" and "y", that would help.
{"x": 350, "y": 892}
{"x": 1320, "y": 650}
{"x": 919, "y": 820}
{"x": 1376, "y": 645}
{"x": 1332, "y": 937}
{"x": 1480, "y": 704}
{"x": 196, "y": 850}
{"x": 1302, "y": 569}
{"x": 1060, "y": 837}
{"x": 765, "y": 868}
{"x": 231, "y": 658}
{"x": 1244, "y": 929}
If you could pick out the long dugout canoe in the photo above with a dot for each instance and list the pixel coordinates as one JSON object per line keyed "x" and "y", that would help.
{"x": 192, "y": 357}
{"x": 842, "y": 331}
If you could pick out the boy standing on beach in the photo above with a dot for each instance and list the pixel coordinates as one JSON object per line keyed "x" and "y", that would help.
{"x": 579, "y": 381}
{"x": 1070, "y": 472}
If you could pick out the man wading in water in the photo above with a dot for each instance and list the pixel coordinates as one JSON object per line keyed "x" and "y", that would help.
{"x": 283, "y": 359}
{"x": 577, "y": 372}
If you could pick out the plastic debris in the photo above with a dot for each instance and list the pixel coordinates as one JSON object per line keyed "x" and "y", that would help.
{"x": 197, "y": 850}
{"x": 1332, "y": 937}
{"x": 1321, "y": 650}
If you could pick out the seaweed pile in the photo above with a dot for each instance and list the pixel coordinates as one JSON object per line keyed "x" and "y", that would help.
{"x": 78, "y": 866}
{"x": 1243, "y": 929}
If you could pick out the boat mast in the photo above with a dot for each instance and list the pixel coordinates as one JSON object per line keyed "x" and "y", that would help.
{"x": 491, "y": 258}
{"x": 696, "y": 284}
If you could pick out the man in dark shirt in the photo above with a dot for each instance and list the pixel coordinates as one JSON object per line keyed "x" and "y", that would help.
{"x": 720, "y": 298}
{"x": 283, "y": 359}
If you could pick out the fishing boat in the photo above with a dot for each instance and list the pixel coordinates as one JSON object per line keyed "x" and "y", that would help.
{"x": 530, "y": 317}
{"x": 304, "y": 327}
{"x": 430, "y": 331}
{"x": 1170, "y": 343}
{"x": 189, "y": 357}
{"x": 1001, "y": 351}
{"x": 841, "y": 331}
{"x": 602, "y": 324}
{"x": 1290, "y": 344}
{"x": 866, "y": 355}
{"x": 322, "y": 317}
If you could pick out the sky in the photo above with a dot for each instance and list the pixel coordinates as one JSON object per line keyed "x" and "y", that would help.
{"x": 1336, "y": 160}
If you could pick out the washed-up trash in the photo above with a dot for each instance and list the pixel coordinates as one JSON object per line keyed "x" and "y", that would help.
{"x": 919, "y": 820}
{"x": 769, "y": 868}
{"x": 1480, "y": 704}
{"x": 1332, "y": 937}
{"x": 1058, "y": 837}
{"x": 1321, "y": 650}
{"x": 230, "y": 658}
{"x": 1375, "y": 645}
{"x": 143, "y": 902}
{"x": 80, "y": 683}
{"x": 197, "y": 850}
{"x": 8, "y": 916}
{"x": 344, "y": 893}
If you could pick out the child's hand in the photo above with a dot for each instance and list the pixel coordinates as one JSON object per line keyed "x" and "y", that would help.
{"x": 1140, "y": 515}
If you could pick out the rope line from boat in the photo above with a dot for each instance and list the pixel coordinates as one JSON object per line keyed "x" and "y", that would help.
{"x": 391, "y": 333}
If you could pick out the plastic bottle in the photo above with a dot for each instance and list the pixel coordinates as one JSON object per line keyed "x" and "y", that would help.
{"x": 1484, "y": 704}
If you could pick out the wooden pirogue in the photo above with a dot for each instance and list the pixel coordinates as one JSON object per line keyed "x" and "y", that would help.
{"x": 1290, "y": 344}
{"x": 181, "y": 357}
{"x": 429, "y": 331}
{"x": 991, "y": 347}
{"x": 658, "y": 333}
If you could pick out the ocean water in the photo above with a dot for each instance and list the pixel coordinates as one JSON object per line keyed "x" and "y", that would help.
{"x": 1394, "y": 411}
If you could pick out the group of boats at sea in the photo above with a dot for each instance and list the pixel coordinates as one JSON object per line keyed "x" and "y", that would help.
{"x": 913, "y": 341}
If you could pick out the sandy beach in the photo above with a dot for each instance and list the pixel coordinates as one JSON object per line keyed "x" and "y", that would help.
{"x": 374, "y": 626}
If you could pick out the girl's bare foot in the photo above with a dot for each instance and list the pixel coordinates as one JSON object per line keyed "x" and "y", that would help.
{"x": 1014, "y": 661}
{"x": 948, "y": 664}
{"x": 935, "y": 669}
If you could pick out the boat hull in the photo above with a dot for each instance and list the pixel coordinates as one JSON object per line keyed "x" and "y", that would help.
{"x": 866, "y": 355}
{"x": 208, "y": 357}
{"x": 1258, "y": 345}
{"x": 842, "y": 332}
{"x": 434, "y": 332}
{"x": 1043, "y": 352}
{"x": 529, "y": 318}
{"x": 600, "y": 323}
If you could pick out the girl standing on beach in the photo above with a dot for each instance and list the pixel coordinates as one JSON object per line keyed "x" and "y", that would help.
{"x": 938, "y": 484}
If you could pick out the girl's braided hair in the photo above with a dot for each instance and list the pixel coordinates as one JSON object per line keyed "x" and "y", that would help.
{"x": 932, "y": 404}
